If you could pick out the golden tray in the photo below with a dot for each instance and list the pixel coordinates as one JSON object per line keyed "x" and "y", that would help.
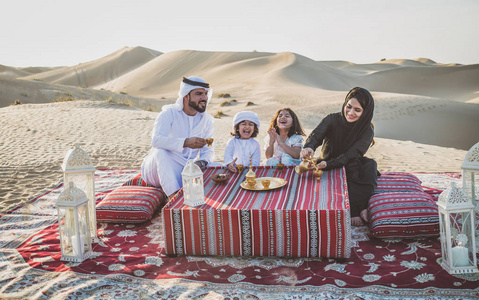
{"x": 275, "y": 184}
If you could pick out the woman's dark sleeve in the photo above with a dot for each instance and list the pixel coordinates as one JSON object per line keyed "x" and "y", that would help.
{"x": 357, "y": 150}
{"x": 316, "y": 137}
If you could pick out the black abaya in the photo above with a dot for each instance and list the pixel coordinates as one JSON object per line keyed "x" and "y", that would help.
{"x": 344, "y": 144}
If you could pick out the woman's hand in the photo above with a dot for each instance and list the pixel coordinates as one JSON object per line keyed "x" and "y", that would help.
{"x": 306, "y": 153}
{"x": 322, "y": 165}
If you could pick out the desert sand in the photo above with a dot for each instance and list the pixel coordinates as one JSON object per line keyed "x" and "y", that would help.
{"x": 425, "y": 116}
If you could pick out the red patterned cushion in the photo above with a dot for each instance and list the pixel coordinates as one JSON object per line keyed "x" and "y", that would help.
{"x": 137, "y": 180}
{"x": 403, "y": 214}
{"x": 398, "y": 181}
{"x": 130, "y": 204}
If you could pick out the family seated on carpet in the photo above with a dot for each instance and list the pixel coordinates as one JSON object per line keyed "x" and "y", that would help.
{"x": 181, "y": 129}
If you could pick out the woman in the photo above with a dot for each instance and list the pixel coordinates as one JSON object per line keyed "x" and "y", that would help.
{"x": 346, "y": 136}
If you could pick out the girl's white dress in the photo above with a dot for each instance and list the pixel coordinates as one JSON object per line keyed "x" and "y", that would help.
{"x": 242, "y": 149}
{"x": 279, "y": 155}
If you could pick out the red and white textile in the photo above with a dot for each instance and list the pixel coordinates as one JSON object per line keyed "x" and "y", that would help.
{"x": 304, "y": 218}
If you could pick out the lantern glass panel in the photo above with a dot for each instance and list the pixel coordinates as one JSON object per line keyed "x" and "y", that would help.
{"x": 198, "y": 186}
{"x": 79, "y": 180}
{"x": 66, "y": 229}
{"x": 82, "y": 223}
{"x": 471, "y": 185}
{"x": 187, "y": 187}
{"x": 86, "y": 183}
{"x": 444, "y": 234}
{"x": 462, "y": 239}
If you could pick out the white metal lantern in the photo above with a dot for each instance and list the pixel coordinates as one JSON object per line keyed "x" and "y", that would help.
{"x": 73, "y": 220}
{"x": 470, "y": 180}
{"x": 193, "y": 189}
{"x": 78, "y": 168}
{"x": 456, "y": 220}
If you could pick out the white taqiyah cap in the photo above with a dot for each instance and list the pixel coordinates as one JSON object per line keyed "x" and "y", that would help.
{"x": 246, "y": 116}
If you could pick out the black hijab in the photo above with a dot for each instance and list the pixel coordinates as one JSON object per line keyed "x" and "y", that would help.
{"x": 351, "y": 132}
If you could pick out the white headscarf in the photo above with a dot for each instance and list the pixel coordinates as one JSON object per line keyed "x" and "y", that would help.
{"x": 186, "y": 88}
{"x": 246, "y": 116}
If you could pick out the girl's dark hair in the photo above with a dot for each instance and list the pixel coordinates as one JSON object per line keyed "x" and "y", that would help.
{"x": 236, "y": 130}
{"x": 295, "y": 128}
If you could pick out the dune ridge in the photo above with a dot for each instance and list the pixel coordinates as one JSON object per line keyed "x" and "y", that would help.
{"x": 97, "y": 72}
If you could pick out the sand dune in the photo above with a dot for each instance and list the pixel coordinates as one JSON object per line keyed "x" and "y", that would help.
{"x": 41, "y": 92}
{"x": 94, "y": 73}
{"x": 457, "y": 83}
{"x": 10, "y": 72}
{"x": 425, "y": 115}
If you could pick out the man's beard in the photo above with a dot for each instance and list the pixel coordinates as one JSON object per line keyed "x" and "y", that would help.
{"x": 196, "y": 106}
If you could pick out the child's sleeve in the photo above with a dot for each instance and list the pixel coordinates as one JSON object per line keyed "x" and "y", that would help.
{"x": 229, "y": 151}
{"x": 256, "y": 155}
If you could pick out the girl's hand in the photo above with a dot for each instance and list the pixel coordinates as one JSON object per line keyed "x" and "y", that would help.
{"x": 306, "y": 153}
{"x": 272, "y": 136}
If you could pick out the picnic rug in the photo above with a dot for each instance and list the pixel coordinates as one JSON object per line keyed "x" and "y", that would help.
{"x": 130, "y": 262}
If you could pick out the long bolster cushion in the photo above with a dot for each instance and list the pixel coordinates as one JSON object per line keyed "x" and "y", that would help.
{"x": 130, "y": 204}
{"x": 403, "y": 214}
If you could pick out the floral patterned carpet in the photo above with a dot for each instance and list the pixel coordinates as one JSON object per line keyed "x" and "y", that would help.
{"x": 129, "y": 263}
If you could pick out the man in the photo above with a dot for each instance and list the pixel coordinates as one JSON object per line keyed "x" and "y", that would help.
{"x": 179, "y": 135}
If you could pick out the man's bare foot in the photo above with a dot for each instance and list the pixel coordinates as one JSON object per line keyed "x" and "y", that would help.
{"x": 364, "y": 215}
{"x": 356, "y": 221}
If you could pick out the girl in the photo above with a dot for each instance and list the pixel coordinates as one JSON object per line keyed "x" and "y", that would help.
{"x": 284, "y": 140}
{"x": 243, "y": 145}
{"x": 346, "y": 136}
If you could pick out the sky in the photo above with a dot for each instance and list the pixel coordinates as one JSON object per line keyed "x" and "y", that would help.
{"x": 66, "y": 33}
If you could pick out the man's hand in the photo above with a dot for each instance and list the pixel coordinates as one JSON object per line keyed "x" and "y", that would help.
{"x": 194, "y": 143}
{"x": 201, "y": 163}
